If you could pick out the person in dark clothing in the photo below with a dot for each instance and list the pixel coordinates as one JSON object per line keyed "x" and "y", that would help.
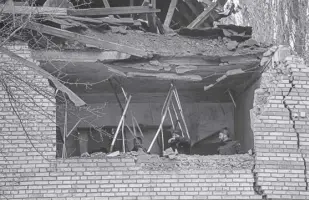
{"x": 138, "y": 144}
{"x": 179, "y": 144}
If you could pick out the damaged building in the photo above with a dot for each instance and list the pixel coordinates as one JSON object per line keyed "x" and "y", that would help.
{"x": 148, "y": 100}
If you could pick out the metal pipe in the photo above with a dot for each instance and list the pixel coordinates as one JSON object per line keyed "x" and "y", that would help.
{"x": 177, "y": 118}
{"x": 171, "y": 117}
{"x": 162, "y": 135}
{"x": 121, "y": 119}
{"x": 160, "y": 126}
{"x": 123, "y": 139}
{"x": 231, "y": 97}
{"x": 140, "y": 130}
{"x": 181, "y": 112}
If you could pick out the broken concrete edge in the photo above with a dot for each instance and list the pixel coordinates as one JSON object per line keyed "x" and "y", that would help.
{"x": 276, "y": 60}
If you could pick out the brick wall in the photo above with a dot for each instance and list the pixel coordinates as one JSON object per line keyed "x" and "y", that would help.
{"x": 122, "y": 178}
{"x": 29, "y": 169}
{"x": 280, "y": 126}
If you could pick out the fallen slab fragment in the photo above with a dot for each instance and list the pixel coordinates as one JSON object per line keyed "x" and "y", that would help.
{"x": 113, "y": 154}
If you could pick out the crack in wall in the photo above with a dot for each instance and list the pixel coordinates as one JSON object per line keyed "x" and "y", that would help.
{"x": 257, "y": 188}
{"x": 291, "y": 79}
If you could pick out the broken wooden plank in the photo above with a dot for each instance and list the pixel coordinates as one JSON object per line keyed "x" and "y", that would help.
{"x": 112, "y": 21}
{"x": 78, "y": 56}
{"x": 170, "y": 13}
{"x": 165, "y": 76}
{"x": 202, "y": 17}
{"x": 72, "y": 96}
{"x": 111, "y": 11}
{"x": 106, "y": 45}
{"x": 26, "y": 10}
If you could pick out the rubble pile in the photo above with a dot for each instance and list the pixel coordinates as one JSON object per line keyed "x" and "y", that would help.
{"x": 181, "y": 162}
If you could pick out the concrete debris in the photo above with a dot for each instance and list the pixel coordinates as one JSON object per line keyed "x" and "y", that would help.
{"x": 154, "y": 62}
{"x": 249, "y": 43}
{"x": 232, "y": 45}
{"x": 98, "y": 155}
{"x": 113, "y": 154}
{"x": 85, "y": 155}
{"x": 212, "y": 162}
{"x": 264, "y": 61}
{"x": 185, "y": 68}
{"x": 170, "y": 153}
{"x": 121, "y": 30}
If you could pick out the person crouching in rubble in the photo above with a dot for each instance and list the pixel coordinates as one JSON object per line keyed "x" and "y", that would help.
{"x": 179, "y": 144}
{"x": 224, "y": 136}
{"x": 138, "y": 145}
{"x": 227, "y": 145}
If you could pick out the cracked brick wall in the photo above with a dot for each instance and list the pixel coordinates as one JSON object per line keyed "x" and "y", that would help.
{"x": 280, "y": 124}
{"x": 29, "y": 170}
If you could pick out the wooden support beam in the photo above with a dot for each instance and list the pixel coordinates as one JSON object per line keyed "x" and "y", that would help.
{"x": 112, "y": 21}
{"x": 154, "y": 3}
{"x": 131, "y": 4}
{"x": 78, "y": 56}
{"x": 26, "y": 10}
{"x": 170, "y": 13}
{"x": 106, "y": 45}
{"x": 106, "y": 4}
{"x": 72, "y": 96}
{"x": 202, "y": 17}
{"x": 111, "y": 11}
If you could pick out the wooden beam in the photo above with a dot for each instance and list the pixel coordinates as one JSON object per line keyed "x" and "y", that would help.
{"x": 106, "y": 4}
{"x": 73, "y": 97}
{"x": 111, "y": 11}
{"x": 78, "y": 56}
{"x": 202, "y": 17}
{"x": 154, "y": 3}
{"x": 131, "y": 4}
{"x": 106, "y": 45}
{"x": 112, "y": 21}
{"x": 165, "y": 76}
{"x": 170, "y": 13}
{"x": 26, "y": 10}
